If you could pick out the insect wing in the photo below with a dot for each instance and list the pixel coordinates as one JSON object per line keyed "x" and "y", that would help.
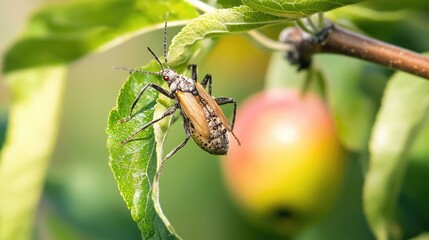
{"x": 212, "y": 103}
{"x": 194, "y": 112}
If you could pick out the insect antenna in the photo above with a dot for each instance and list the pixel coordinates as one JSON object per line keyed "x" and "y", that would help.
{"x": 157, "y": 59}
{"x": 165, "y": 40}
{"x": 131, "y": 70}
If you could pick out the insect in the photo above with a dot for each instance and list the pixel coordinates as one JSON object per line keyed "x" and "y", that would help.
{"x": 203, "y": 119}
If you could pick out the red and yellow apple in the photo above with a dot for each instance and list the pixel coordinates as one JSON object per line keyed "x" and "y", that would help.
{"x": 288, "y": 169}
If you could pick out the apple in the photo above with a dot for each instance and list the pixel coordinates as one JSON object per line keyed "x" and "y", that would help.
{"x": 289, "y": 167}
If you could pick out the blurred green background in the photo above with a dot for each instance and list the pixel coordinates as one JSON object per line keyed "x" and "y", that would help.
{"x": 81, "y": 199}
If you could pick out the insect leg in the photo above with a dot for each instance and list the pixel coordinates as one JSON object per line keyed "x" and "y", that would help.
{"x": 193, "y": 68}
{"x": 188, "y": 135}
{"x": 154, "y": 86}
{"x": 168, "y": 112}
{"x": 207, "y": 80}
{"x": 226, "y": 100}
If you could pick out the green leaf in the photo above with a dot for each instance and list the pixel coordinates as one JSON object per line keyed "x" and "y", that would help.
{"x": 31, "y": 135}
{"x": 358, "y": 13}
{"x": 352, "y": 108}
{"x": 213, "y": 24}
{"x": 63, "y": 33}
{"x": 35, "y": 67}
{"x": 422, "y": 236}
{"x": 135, "y": 163}
{"x": 280, "y": 74}
{"x": 229, "y": 3}
{"x": 296, "y": 9}
{"x": 405, "y": 103}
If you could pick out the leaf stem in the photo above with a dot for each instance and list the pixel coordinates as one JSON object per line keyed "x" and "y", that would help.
{"x": 267, "y": 42}
{"x": 311, "y": 24}
{"x": 320, "y": 20}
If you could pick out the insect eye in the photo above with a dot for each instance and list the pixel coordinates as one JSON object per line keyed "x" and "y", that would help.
{"x": 166, "y": 78}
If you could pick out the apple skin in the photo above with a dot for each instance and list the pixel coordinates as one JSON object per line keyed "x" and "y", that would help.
{"x": 289, "y": 167}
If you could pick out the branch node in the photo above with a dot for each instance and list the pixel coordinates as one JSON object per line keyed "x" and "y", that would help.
{"x": 303, "y": 44}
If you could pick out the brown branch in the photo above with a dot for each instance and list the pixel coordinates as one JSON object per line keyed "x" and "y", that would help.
{"x": 335, "y": 39}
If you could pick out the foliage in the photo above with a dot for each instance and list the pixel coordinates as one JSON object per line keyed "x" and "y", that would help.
{"x": 36, "y": 64}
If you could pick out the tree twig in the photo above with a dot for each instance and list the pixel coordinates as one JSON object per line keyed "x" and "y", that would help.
{"x": 335, "y": 39}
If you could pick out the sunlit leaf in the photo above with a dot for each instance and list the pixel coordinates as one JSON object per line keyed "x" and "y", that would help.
{"x": 31, "y": 135}
{"x": 63, "y": 33}
{"x": 214, "y": 24}
{"x": 296, "y": 9}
